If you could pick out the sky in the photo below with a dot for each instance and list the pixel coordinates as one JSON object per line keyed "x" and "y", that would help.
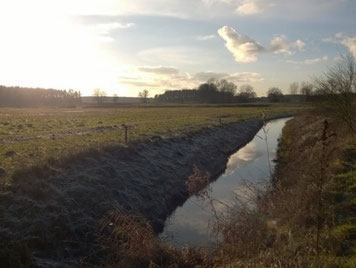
{"x": 126, "y": 46}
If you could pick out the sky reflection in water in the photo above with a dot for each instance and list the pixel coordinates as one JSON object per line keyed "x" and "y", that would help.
{"x": 191, "y": 223}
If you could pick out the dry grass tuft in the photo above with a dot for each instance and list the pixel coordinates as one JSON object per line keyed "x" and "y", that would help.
{"x": 293, "y": 223}
{"x": 128, "y": 237}
{"x": 128, "y": 240}
{"x": 197, "y": 183}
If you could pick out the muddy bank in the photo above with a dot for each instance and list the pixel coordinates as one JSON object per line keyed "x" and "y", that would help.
{"x": 56, "y": 211}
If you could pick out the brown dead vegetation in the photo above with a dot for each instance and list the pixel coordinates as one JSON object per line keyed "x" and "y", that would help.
{"x": 197, "y": 183}
{"x": 128, "y": 240}
{"x": 293, "y": 224}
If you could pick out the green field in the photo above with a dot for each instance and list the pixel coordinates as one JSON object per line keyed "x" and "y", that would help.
{"x": 31, "y": 136}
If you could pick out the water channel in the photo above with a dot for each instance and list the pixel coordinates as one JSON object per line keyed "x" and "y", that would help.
{"x": 191, "y": 224}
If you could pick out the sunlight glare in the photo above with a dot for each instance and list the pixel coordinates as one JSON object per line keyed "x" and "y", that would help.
{"x": 45, "y": 47}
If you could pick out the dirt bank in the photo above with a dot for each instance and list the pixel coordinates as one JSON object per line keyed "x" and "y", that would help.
{"x": 53, "y": 212}
{"x": 306, "y": 218}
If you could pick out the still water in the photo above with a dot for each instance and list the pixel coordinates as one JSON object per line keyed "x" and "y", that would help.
{"x": 191, "y": 224}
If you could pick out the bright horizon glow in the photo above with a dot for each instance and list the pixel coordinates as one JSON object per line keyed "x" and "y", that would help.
{"x": 48, "y": 49}
{"x": 126, "y": 46}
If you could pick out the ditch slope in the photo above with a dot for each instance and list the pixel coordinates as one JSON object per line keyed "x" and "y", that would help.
{"x": 52, "y": 214}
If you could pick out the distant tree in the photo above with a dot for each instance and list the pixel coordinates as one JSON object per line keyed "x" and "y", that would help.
{"x": 274, "y": 94}
{"x": 293, "y": 88}
{"x": 179, "y": 96}
{"x": 338, "y": 85}
{"x": 306, "y": 89}
{"x": 72, "y": 97}
{"x": 217, "y": 91}
{"x": 226, "y": 86}
{"x": 29, "y": 97}
{"x": 208, "y": 87}
{"x": 208, "y": 92}
{"x": 99, "y": 94}
{"x": 143, "y": 95}
{"x": 247, "y": 92}
{"x": 213, "y": 91}
{"x": 115, "y": 98}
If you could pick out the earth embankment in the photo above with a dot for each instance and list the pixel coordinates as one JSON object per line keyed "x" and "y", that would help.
{"x": 55, "y": 210}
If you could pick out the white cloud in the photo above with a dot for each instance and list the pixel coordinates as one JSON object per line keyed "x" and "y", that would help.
{"x": 138, "y": 83}
{"x": 310, "y": 61}
{"x": 162, "y": 78}
{"x": 203, "y": 9}
{"x": 287, "y": 9}
{"x": 280, "y": 45}
{"x": 240, "y": 7}
{"x": 299, "y": 44}
{"x": 175, "y": 56}
{"x": 315, "y": 60}
{"x": 205, "y": 76}
{"x": 154, "y": 77}
{"x": 248, "y": 7}
{"x": 159, "y": 70}
{"x": 238, "y": 77}
{"x": 350, "y": 43}
{"x": 242, "y": 47}
{"x": 245, "y": 77}
{"x": 345, "y": 40}
{"x": 103, "y": 30}
{"x": 206, "y": 37}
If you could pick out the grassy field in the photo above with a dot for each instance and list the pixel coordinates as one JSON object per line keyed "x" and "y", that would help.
{"x": 32, "y": 136}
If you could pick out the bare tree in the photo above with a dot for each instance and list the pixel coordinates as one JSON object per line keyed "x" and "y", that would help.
{"x": 115, "y": 98}
{"x": 248, "y": 89}
{"x": 274, "y": 94}
{"x": 293, "y": 88}
{"x": 306, "y": 89}
{"x": 338, "y": 84}
{"x": 226, "y": 86}
{"x": 143, "y": 95}
{"x": 247, "y": 92}
{"x": 99, "y": 94}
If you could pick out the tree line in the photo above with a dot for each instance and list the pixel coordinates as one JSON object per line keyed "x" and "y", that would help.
{"x": 31, "y": 97}
{"x": 222, "y": 91}
{"x": 213, "y": 91}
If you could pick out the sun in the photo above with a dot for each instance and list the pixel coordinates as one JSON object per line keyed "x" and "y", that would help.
{"x": 44, "y": 46}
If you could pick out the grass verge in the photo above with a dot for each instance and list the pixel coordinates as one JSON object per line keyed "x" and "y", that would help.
{"x": 29, "y": 137}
